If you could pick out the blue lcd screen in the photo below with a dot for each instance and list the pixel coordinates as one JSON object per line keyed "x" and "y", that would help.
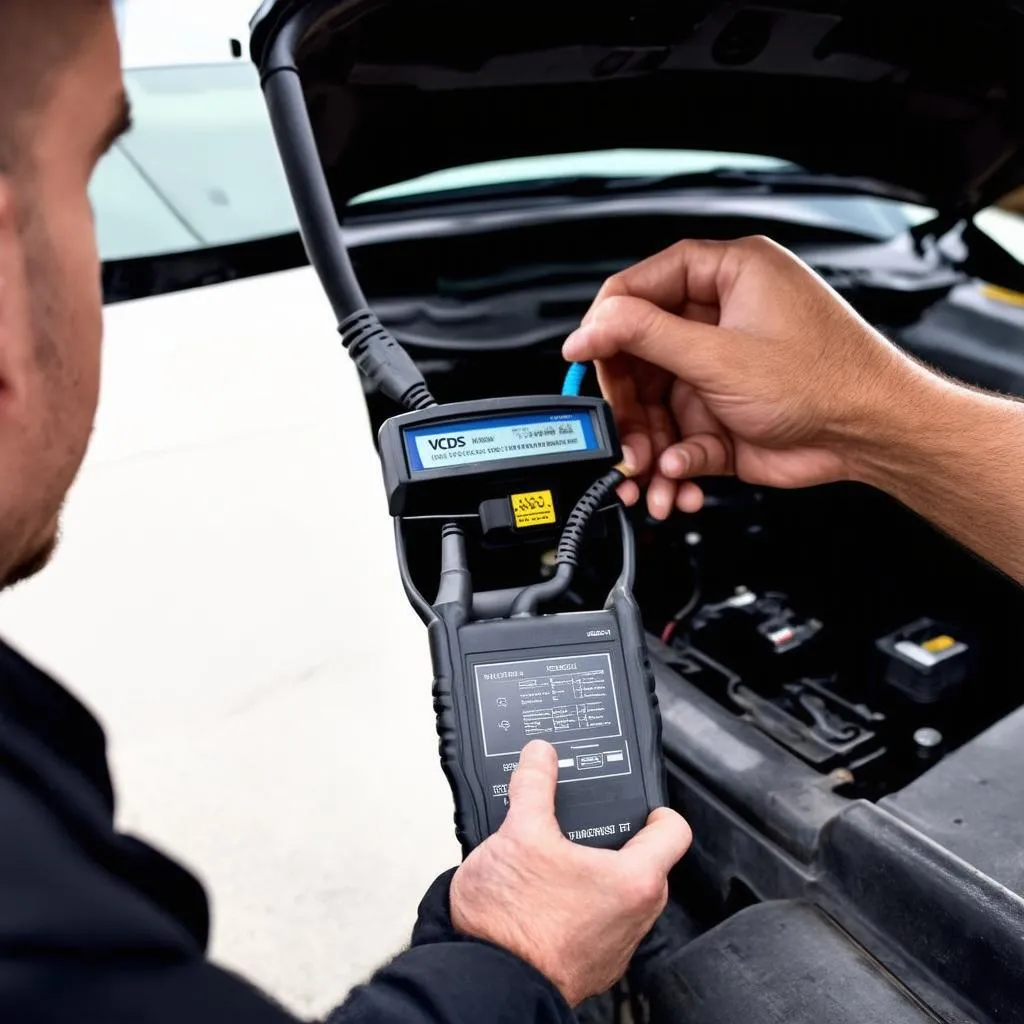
{"x": 469, "y": 442}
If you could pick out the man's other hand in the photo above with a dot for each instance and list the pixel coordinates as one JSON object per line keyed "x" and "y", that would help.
{"x": 576, "y": 914}
{"x": 735, "y": 358}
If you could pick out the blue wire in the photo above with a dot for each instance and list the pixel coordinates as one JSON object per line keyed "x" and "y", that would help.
{"x": 574, "y": 379}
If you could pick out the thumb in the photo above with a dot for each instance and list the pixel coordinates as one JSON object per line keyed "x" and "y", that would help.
{"x": 531, "y": 791}
{"x": 624, "y": 323}
{"x": 660, "y": 843}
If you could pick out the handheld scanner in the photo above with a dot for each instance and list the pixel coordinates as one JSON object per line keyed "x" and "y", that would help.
{"x": 451, "y": 459}
{"x": 580, "y": 680}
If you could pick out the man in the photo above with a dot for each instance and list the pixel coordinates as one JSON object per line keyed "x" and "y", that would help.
{"x": 97, "y": 927}
{"x": 733, "y": 357}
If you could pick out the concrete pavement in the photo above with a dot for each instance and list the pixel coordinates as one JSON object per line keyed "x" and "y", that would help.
{"x": 225, "y": 598}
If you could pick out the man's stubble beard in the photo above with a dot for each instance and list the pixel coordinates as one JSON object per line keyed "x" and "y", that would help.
{"x": 38, "y": 559}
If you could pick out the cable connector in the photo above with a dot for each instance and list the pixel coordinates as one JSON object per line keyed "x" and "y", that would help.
{"x": 383, "y": 362}
{"x": 456, "y": 585}
{"x": 574, "y": 379}
{"x": 567, "y": 555}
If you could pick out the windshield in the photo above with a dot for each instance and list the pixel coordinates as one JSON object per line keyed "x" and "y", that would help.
{"x": 200, "y": 169}
{"x": 607, "y": 163}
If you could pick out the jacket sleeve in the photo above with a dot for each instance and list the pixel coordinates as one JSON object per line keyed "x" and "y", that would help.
{"x": 447, "y": 978}
{"x": 443, "y": 978}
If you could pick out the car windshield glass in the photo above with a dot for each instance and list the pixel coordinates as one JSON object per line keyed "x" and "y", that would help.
{"x": 608, "y": 163}
{"x": 200, "y": 169}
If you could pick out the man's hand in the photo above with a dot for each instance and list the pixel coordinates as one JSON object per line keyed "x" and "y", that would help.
{"x": 734, "y": 357}
{"x": 574, "y": 913}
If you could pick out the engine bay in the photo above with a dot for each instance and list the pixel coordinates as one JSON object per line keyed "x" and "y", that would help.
{"x": 840, "y": 625}
{"x": 837, "y": 679}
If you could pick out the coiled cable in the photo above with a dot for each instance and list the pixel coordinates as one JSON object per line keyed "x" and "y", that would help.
{"x": 569, "y": 544}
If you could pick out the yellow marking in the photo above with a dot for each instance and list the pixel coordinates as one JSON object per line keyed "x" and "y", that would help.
{"x": 1010, "y": 297}
{"x": 535, "y": 508}
{"x": 938, "y": 644}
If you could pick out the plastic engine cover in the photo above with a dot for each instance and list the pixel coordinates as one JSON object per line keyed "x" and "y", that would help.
{"x": 779, "y": 962}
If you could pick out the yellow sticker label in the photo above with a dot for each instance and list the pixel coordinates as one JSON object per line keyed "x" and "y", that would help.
{"x": 938, "y": 644}
{"x": 536, "y": 508}
{"x": 998, "y": 294}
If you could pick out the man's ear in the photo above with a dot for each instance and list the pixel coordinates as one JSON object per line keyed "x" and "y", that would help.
{"x": 15, "y": 318}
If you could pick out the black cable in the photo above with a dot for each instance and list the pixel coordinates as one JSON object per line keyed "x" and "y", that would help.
{"x": 567, "y": 556}
{"x": 375, "y": 352}
{"x": 672, "y": 626}
{"x": 495, "y": 604}
{"x": 627, "y": 577}
{"x": 311, "y": 195}
{"x": 383, "y": 362}
{"x": 416, "y": 599}
{"x": 456, "y": 585}
{"x": 579, "y": 519}
{"x": 542, "y": 593}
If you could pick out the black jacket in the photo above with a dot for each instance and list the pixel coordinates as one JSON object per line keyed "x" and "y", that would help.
{"x": 99, "y": 928}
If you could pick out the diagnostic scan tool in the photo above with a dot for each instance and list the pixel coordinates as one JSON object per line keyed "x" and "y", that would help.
{"x": 518, "y": 663}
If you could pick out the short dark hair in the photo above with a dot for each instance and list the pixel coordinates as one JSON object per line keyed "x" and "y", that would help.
{"x": 37, "y": 39}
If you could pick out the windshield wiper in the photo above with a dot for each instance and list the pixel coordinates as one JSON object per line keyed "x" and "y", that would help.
{"x": 783, "y": 182}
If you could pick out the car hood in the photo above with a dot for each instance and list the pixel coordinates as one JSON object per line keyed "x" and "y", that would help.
{"x": 925, "y": 99}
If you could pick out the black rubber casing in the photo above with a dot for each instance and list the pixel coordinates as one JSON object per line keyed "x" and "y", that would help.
{"x": 597, "y": 809}
{"x": 461, "y": 489}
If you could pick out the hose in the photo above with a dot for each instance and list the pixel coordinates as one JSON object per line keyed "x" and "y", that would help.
{"x": 574, "y": 379}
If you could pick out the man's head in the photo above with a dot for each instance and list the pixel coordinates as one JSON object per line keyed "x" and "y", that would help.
{"x": 62, "y": 104}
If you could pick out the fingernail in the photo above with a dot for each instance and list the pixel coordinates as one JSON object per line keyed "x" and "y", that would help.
{"x": 675, "y": 463}
{"x": 629, "y": 458}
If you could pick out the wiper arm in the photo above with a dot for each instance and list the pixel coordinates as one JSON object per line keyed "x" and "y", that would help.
{"x": 784, "y": 182}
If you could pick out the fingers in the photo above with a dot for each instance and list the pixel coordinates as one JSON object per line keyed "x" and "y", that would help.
{"x": 661, "y": 492}
{"x": 690, "y": 497}
{"x": 623, "y": 324}
{"x": 629, "y": 493}
{"x": 660, "y": 844}
{"x": 698, "y": 455}
{"x": 531, "y": 790}
{"x": 683, "y": 273}
{"x": 693, "y": 275}
{"x": 661, "y": 496}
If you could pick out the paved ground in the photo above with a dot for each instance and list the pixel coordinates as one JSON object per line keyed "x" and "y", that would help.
{"x": 226, "y": 598}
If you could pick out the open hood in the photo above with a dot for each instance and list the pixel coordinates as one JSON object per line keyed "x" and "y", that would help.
{"x": 926, "y": 99}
